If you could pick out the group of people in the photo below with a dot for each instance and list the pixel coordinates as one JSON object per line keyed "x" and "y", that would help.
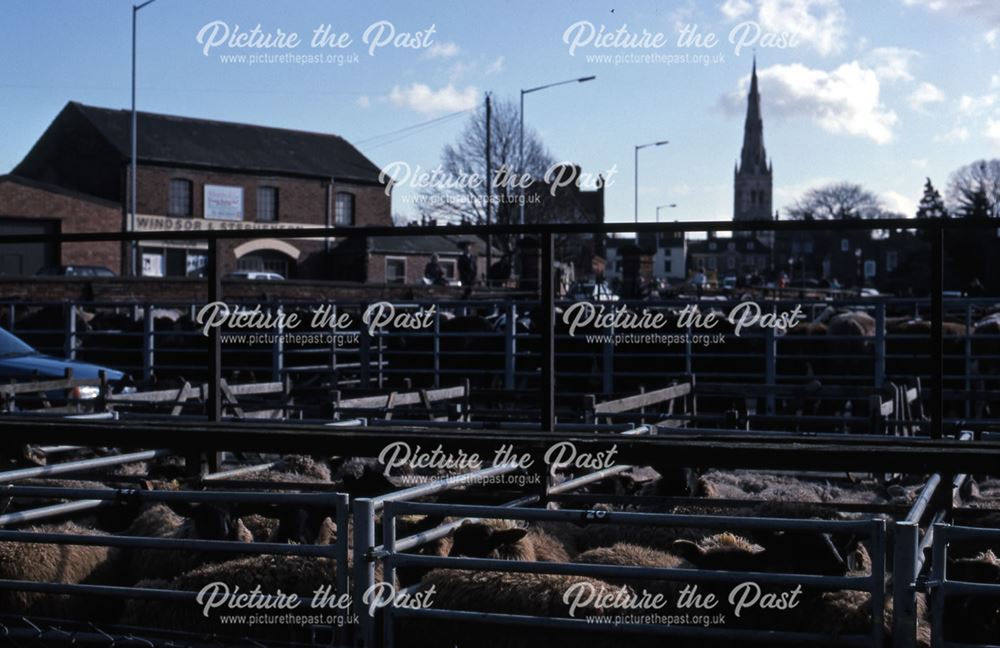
{"x": 466, "y": 266}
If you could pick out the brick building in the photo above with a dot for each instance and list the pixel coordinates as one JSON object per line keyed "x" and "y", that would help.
{"x": 402, "y": 259}
{"x": 31, "y": 207}
{"x": 194, "y": 175}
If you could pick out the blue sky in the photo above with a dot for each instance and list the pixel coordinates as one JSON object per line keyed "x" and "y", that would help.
{"x": 879, "y": 92}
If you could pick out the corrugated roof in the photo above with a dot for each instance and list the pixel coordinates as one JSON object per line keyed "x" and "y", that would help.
{"x": 203, "y": 142}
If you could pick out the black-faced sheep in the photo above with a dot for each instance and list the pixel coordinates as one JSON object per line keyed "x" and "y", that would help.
{"x": 506, "y": 540}
{"x": 159, "y": 521}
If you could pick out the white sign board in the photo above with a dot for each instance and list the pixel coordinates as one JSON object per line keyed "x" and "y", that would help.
{"x": 152, "y": 265}
{"x": 223, "y": 203}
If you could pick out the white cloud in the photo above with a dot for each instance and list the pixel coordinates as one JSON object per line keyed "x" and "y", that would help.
{"x": 820, "y": 23}
{"x": 988, "y": 9}
{"x": 969, "y": 105}
{"x": 995, "y": 81}
{"x": 496, "y": 67}
{"x": 441, "y": 50}
{"x": 992, "y": 132}
{"x": 892, "y": 63}
{"x": 919, "y": 163}
{"x": 992, "y": 38}
{"x": 363, "y": 101}
{"x": 845, "y": 100}
{"x": 955, "y": 135}
{"x": 421, "y": 98}
{"x": 897, "y": 202}
{"x": 926, "y": 93}
{"x": 733, "y": 9}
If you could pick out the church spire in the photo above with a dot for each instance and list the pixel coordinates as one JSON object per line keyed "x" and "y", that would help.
{"x": 753, "y": 182}
{"x": 753, "y": 158}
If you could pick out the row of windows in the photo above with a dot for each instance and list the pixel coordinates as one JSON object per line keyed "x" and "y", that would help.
{"x": 180, "y": 203}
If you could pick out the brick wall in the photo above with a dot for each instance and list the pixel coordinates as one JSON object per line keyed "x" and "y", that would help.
{"x": 300, "y": 200}
{"x": 74, "y": 213}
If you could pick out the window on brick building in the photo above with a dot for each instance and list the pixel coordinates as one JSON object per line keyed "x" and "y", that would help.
{"x": 180, "y": 197}
{"x": 343, "y": 211}
{"x": 395, "y": 270}
{"x": 267, "y": 203}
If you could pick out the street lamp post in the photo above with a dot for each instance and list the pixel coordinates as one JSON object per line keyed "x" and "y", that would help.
{"x": 636, "y": 172}
{"x": 659, "y": 207}
{"x": 133, "y": 145}
{"x": 520, "y": 145}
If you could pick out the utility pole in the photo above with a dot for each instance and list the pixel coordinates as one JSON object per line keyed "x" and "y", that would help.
{"x": 489, "y": 185}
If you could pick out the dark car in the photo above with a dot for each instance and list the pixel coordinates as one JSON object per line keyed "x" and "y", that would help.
{"x": 74, "y": 271}
{"x": 21, "y": 362}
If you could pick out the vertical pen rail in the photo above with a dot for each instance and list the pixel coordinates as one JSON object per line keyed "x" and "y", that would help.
{"x": 364, "y": 569}
{"x": 437, "y": 348}
{"x": 214, "y": 339}
{"x": 148, "y": 342}
{"x": 880, "y": 346}
{"x": 939, "y": 573}
{"x": 547, "y": 330}
{"x": 342, "y": 560}
{"x": 389, "y": 572}
{"x": 770, "y": 367}
{"x": 510, "y": 346}
{"x": 904, "y": 578}
{"x": 878, "y": 583}
{"x": 69, "y": 339}
{"x": 937, "y": 338}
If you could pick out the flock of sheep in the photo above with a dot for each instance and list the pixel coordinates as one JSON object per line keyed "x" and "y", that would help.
{"x": 833, "y": 613}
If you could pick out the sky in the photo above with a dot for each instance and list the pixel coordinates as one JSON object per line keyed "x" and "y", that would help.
{"x": 878, "y": 92}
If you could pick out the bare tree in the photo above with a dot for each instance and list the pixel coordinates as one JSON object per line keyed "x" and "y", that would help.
{"x": 980, "y": 177}
{"x": 466, "y": 158}
{"x": 838, "y": 200}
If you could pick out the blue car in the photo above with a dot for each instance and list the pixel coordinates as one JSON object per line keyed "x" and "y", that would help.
{"x": 21, "y": 362}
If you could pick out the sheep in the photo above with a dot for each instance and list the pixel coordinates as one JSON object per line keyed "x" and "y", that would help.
{"x": 303, "y": 465}
{"x": 973, "y": 619}
{"x": 506, "y": 540}
{"x": 636, "y": 556}
{"x": 52, "y": 563}
{"x": 159, "y": 521}
{"x": 302, "y": 575}
{"x": 505, "y": 593}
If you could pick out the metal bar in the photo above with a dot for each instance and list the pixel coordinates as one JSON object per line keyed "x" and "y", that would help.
{"x": 924, "y": 498}
{"x": 547, "y": 330}
{"x": 214, "y": 401}
{"x": 193, "y": 497}
{"x": 148, "y": 342}
{"x": 859, "y": 583}
{"x": 755, "y": 637}
{"x": 43, "y": 512}
{"x": 904, "y": 578}
{"x": 862, "y": 527}
{"x": 510, "y": 346}
{"x": 840, "y": 225}
{"x": 939, "y": 562}
{"x": 178, "y": 544}
{"x": 443, "y": 484}
{"x": 937, "y": 323}
{"x": 83, "y": 464}
{"x": 364, "y": 568}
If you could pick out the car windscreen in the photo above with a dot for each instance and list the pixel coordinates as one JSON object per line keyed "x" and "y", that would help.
{"x": 11, "y": 345}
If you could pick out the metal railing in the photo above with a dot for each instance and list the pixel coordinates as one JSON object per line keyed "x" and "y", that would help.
{"x": 873, "y": 530}
{"x": 942, "y": 587}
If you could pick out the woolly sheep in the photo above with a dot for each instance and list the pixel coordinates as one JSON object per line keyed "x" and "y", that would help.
{"x": 631, "y": 555}
{"x": 504, "y": 593}
{"x": 52, "y": 563}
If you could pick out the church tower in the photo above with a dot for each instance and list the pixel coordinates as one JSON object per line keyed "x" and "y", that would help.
{"x": 753, "y": 173}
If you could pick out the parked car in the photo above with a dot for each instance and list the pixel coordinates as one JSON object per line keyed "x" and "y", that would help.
{"x": 74, "y": 271}
{"x": 21, "y": 362}
{"x": 255, "y": 275}
{"x": 592, "y": 291}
